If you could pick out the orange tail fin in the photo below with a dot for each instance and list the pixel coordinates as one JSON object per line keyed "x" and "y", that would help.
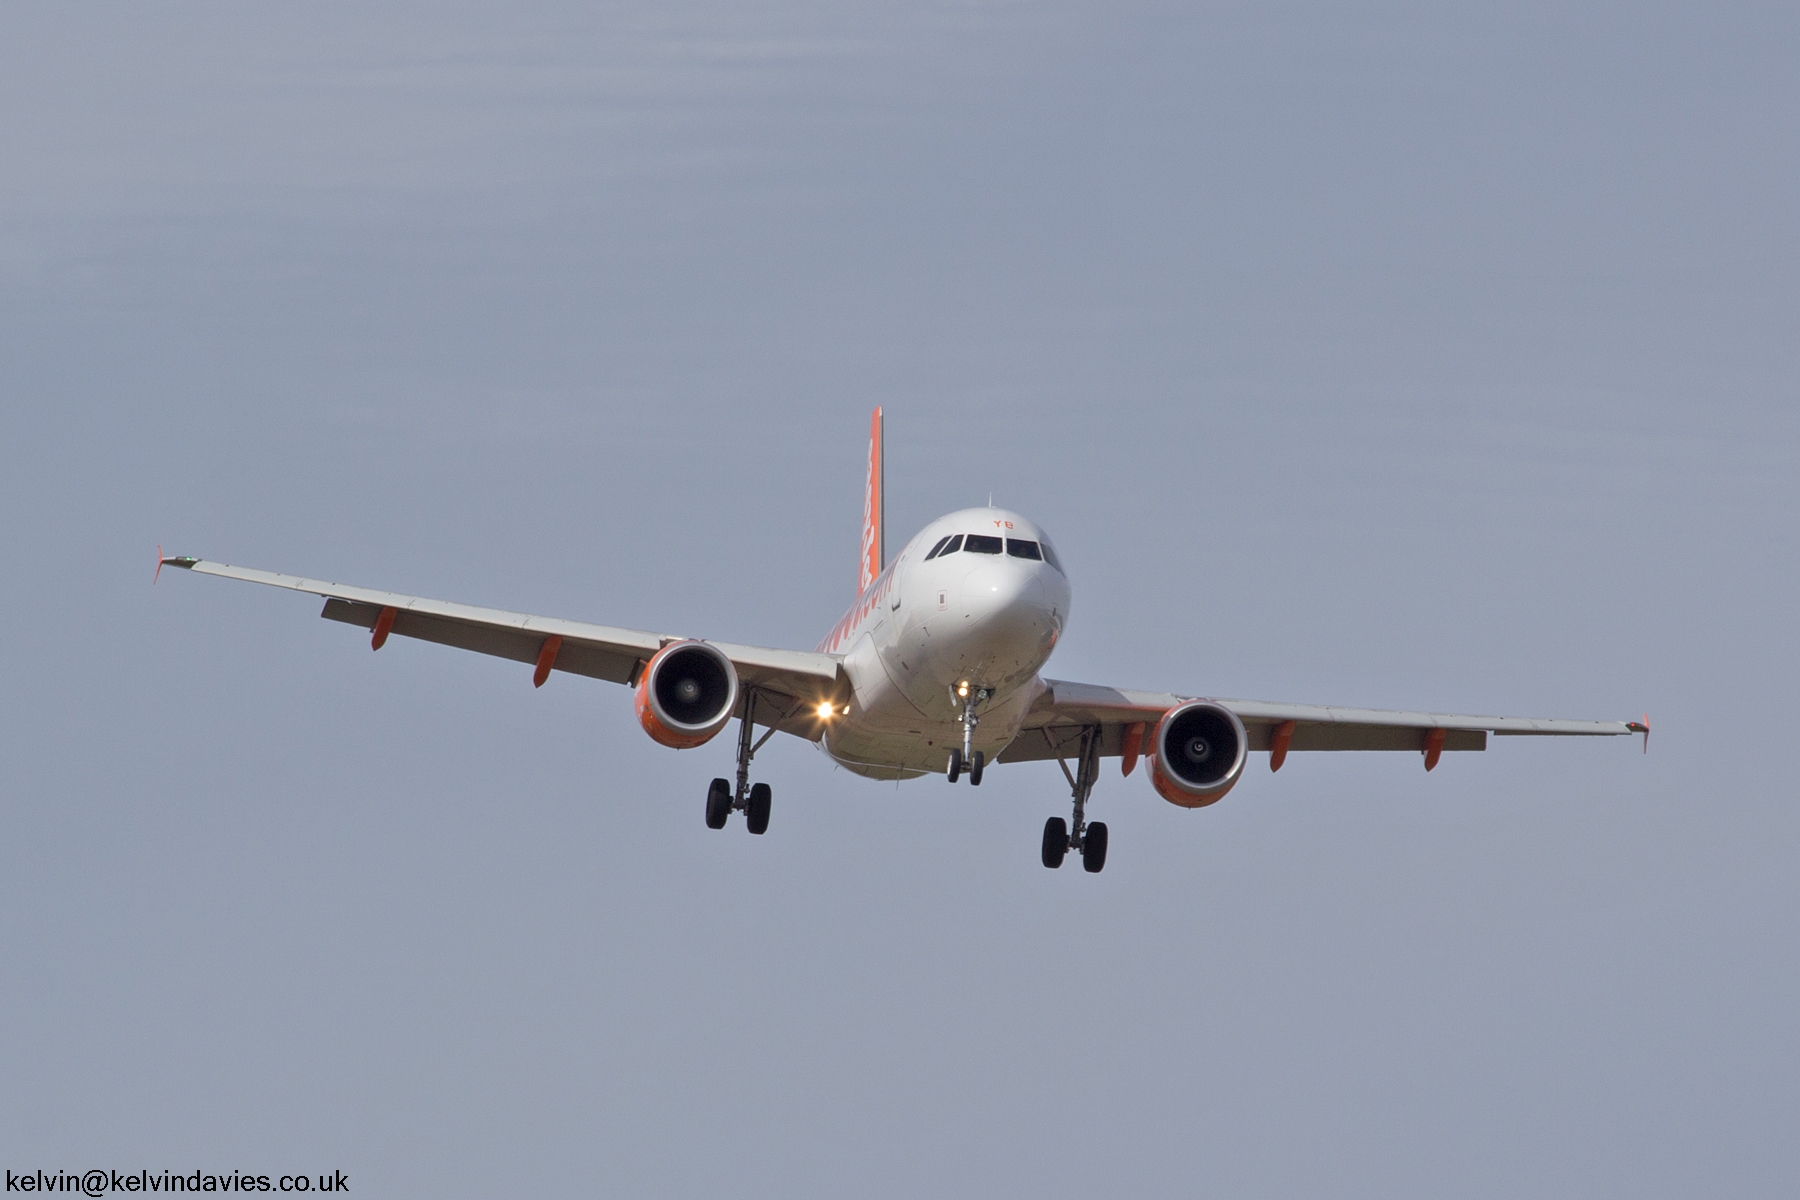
{"x": 874, "y": 530}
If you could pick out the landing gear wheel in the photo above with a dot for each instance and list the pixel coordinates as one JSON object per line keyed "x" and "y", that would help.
{"x": 756, "y": 814}
{"x": 718, "y": 804}
{"x": 1093, "y": 848}
{"x": 975, "y": 766}
{"x": 956, "y": 764}
{"x": 1056, "y": 841}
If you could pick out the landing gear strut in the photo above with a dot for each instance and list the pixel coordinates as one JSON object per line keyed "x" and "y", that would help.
{"x": 1088, "y": 840}
{"x": 753, "y": 801}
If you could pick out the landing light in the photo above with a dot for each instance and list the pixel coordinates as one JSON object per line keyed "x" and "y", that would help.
{"x": 962, "y": 689}
{"x": 825, "y": 711}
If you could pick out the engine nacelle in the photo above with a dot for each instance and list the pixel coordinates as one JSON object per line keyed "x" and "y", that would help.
{"x": 1200, "y": 750}
{"x": 686, "y": 694}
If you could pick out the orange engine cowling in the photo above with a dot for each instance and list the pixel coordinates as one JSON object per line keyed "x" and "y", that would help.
{"x": 1200, "y": 750}
{"x": 686, "y": 694}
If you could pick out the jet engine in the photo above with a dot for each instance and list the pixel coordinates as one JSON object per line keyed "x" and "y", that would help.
{"x": 686, "y": 694}
{"x": 1200, "y": 749}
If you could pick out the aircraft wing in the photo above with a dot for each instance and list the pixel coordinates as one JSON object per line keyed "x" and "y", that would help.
{"x": 1055, "y": 721}
{"x": 794, "y": 681}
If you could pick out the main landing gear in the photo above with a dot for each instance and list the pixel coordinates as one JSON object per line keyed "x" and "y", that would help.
{"x": 1087, "y": 840}
{"x": 963, "y": 759}
{"x": 752, "y": 800}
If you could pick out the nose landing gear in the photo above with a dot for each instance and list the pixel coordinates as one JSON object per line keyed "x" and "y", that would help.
{"x": 966, "y": 758}
{"x": 1087, "y": 840}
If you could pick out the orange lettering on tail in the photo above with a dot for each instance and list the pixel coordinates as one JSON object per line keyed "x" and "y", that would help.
{"x": 874, "y": 540}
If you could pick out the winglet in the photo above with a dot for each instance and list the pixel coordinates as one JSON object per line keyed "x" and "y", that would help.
{"x": 1642, "y": 727}
{"x": 874, "y": 531}
{"x": 185, "y": 562}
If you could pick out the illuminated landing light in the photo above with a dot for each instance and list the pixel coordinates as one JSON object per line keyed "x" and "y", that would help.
{"x": 962, "y": 689}
{"x": 825, "y": 712}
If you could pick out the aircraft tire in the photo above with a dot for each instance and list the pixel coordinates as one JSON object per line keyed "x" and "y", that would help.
{"x": 1093, "y": 849}
{"x": 956, "y": 764}
{"x": 718, "y": 803}
{"x": 756, "y": 816}
{"x": 1056, "y": 842}
{"x": 975, "y": 765}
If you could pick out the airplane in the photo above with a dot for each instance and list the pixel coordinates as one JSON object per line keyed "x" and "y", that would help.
{"x": 934, "y": 670}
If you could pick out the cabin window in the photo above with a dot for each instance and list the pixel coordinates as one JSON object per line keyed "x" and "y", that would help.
{"x": 981, "y": 543}
{"x": 1021, "y": 548}
{"x": 939, "y": 548}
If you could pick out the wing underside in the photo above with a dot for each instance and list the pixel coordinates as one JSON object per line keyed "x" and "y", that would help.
{"x": 789, "y": 684}
{"x": 1055, "y": 723}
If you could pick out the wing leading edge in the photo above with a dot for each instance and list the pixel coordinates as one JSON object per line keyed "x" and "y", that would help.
{"x": 1055, "y": 722}
{"x": 597, "y": 651}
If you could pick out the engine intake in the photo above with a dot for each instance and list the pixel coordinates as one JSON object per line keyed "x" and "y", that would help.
{"x": 1200, "y": 750}
{"x": 686, "y": 694}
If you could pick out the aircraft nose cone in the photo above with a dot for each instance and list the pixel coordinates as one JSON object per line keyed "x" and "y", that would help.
{"x": 1013, "y": 603}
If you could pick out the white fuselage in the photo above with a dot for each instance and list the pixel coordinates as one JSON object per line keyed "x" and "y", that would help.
{"x": 928, "y": 631}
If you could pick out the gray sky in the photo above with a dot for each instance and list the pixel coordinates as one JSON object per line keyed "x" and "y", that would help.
{"x": 1422, "y": 356}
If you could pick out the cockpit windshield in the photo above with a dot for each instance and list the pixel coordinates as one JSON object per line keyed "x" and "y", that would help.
{"x": 981, "y": 543}
{"x": 1021, "y": 548}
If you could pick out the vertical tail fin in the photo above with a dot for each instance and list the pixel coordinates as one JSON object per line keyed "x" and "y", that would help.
{"x": 874, "y": 530}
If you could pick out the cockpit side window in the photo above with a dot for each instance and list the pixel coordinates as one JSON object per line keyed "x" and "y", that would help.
{"x": 953, "y": 545}
{"x": 1050, "y": 555}
{"x": 1021, "y": 548}
{"x": 981, "y": 543}
{"x": 939, "y": 548}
